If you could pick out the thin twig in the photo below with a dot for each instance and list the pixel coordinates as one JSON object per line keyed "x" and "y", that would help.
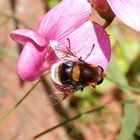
{"x": 20, "y": 101}
{"x": 66, "y": 121}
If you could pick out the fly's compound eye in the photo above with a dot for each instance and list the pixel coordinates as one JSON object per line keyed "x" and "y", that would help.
{"x": 100, "y": 81}
{"x": 100, "y": 69}
{"x": 100, "y": 78}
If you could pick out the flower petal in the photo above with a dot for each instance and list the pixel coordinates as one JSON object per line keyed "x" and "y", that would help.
{"x": 67, "y": 16}
{"x": 82, "y": 41}
{"x": 31, "y": 63}
{"x": 23, "y": 35}
{"x": 127, "y": 11}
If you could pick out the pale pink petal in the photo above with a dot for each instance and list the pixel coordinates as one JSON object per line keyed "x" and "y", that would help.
{"x": 24, "y": 35}
{"x": 31, "y": 63}
{"x": 67, "y": 16}
{"x": 128, "y": 11}
{"x": 82, "y": 41}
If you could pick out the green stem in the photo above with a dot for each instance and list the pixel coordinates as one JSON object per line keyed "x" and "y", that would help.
{"x": 65, "y": 122}
{"x": 20, "y": 101}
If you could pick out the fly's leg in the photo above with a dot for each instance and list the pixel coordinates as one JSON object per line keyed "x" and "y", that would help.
{"x": 90, "y": 52}
{"x": 72, "y": 53}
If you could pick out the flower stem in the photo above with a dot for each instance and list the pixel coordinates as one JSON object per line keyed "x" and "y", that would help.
{"x": 66, "y": 121}
{"x": 20, "y": 101}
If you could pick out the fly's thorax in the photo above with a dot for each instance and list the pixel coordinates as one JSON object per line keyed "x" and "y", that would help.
{"x": 89, "y": 74}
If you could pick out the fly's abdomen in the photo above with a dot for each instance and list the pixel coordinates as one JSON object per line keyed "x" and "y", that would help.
{"x": 66, "y": 73}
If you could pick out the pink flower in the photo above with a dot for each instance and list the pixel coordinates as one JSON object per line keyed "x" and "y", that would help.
{"x": 126, "y": 10}
{"x": 69, "y": 19}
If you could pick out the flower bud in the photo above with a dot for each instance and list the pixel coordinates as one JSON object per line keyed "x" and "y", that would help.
{"x": 103, "y": 9}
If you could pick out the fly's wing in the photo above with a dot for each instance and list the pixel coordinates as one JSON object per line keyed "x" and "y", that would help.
{"x": 56, "y": 92}
{"x": 63, "y": 52}
{"x": 61, "y": 92}
{"x": 58, "y": 97}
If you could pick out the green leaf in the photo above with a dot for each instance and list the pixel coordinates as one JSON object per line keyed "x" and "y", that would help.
{"x": 5, "y": 52}
{"x": 137, "y": 132}
{"x": 115, "y": 74}
{"x": 52, "y": 3}
{"x": 129, "y": 121}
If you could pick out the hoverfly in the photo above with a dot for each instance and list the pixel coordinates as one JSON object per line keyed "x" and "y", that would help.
{"x": 73, "y": 73}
